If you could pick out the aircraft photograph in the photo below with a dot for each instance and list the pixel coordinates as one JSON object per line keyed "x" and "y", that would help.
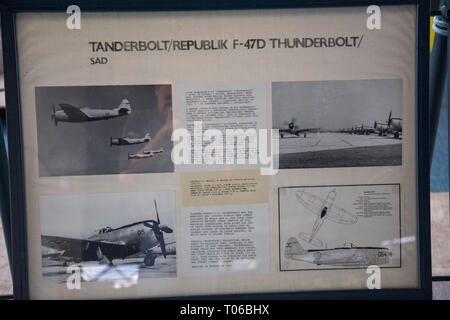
{"x": 90, "y": 130}
{"x": 334, "y": 120}
{"x": 129, "y": 140}
{"x": 333, "y": 227}
{"x": 144, "y": 238}
{"x": 70, "y": 113}
{"x": 145, "y": 154}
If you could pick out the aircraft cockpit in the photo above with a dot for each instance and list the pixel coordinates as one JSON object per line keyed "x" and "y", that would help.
{"x": 104, "y": 230}
{"x": 348, "y": 245}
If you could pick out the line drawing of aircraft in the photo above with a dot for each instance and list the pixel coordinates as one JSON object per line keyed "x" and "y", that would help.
{"x": 144, "y": 154}
{"x": 107, "y": 243}
{"x": 324, "y": 209}
{"x": 346, "y": 256}
{"x": 293, "y": 129}
{"x": 70, "y": 113}
{"x": 393, "y": 126}
{"x": 129, "y": 140}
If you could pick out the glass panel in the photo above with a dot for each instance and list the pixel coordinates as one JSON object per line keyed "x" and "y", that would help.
{"x": 109, "y": 207}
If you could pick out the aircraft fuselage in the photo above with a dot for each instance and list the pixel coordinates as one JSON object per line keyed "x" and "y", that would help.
{"x": 128, "y": 141}
{"x": 136, "y": 238}
{"x": 90, "y": 115}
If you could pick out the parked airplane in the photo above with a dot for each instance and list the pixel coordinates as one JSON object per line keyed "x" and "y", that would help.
{"x": 145, "y": 154}
{"x": 323, "y": 209}
{"x": 364, "y": 130}
{"x": 69, "y": 113}
{"x": 119, "y": 243}
{"x": 292, "y": 129}
{"x": 346, "y": 256}
{"x": 129, "y": 140}
{"x": 393, "y": 126}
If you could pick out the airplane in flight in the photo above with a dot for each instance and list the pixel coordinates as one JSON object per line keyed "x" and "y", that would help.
{"x": 129, "y": 140}
{"x": 293, "y": 129}
{"x": 393, "y": 126}
{"x": 145, "y": 154}
{"x": 346, "y": 256}
{"x": 324, "y": 209}
{"x": 119, "y": 243}
{"x": 70, "y": 113}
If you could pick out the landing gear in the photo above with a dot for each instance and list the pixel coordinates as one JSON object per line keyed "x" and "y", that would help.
{"x": 149, "y": 259}
{"x": 397, "y": 135}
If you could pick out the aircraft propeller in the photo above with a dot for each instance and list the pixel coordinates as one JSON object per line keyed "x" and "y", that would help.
{"x": 53, "y": 116}
{"x": 158, "y": 230}
{"x": 291, "y": 124}
{"x": 390, "y": 119}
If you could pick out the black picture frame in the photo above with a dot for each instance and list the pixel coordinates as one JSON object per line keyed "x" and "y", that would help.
{"x": 15, "y": 142}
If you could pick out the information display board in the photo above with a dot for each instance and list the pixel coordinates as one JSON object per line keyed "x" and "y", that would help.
{"x": 164, "y": 152}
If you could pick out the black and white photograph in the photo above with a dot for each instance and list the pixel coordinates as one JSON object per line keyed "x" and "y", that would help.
{"x": 92, "y": 130}
{"x": 334, "y": 227}
{"x": 339, "y": 123}
{"x": 111, "y": 236}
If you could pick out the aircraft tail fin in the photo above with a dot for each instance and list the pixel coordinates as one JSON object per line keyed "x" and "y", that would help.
{"x": 124, "y": 106}
{"x": 293, "y": 247}
{"x": 147, "y": 136}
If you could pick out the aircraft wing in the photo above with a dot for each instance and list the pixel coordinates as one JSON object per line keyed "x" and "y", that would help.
{"x": 79, "y": 248}
{"x": 314, "y": 204}
{"x": 73, "y": 112}
{"x": 310, "y": 201}
{"x": 308, "y": 130}
{"x": 341, "y": 216}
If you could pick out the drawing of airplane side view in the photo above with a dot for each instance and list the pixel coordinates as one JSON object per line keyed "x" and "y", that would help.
{"x": 346, "y": 256}
{"x": 393, "y": 126}
{"x": 128, "y": 140}
{"x": 120, "y": 243}
{"x": 293, "y": 129}
{"x": 323, "y": 209}
{"x": 70, "y": 113}
{"x": 145, "y": 154}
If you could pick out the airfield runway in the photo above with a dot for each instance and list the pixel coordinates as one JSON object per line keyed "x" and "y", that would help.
{"x": 163, "y": 268}
{"x": 331, "y": 149}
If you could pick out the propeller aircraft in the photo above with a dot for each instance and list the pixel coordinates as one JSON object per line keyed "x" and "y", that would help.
{"x": 70, "y": 113}
{"x": 293, "y": 129}
{"x": 129, "y": 140}
{"x": 145, "y": 154}
{"x": 323, "y": 209}
{"x": 393, "y": 126}
{"x": 346, "y": 256}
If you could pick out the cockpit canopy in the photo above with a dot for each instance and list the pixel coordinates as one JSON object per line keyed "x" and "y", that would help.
{"x": 104, "y": 230}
